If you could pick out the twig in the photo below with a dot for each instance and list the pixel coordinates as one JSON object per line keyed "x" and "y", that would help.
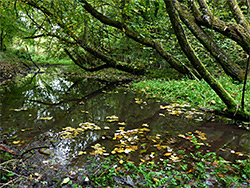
{"x": 245, "y": 81}
{"x": 27, "y": 50}
{"x": 39, "y": 147}
{"x": 110, "y": 167}
{"x": 11, "y": 181}
{"x": 14, "y": 173}
{"x": 8, "y": 162}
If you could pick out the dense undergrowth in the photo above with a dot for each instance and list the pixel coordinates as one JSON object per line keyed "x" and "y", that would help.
{"x": 196, "y": 93}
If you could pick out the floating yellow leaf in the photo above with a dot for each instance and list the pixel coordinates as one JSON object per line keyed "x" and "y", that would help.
{"x": 200, "y": 133}
{"x": 165, "y": 107}
{"x": 82, "y": 152}
{"x": 182, "y": 136}
{"x": 122, "y": 123}
{"x": 112, "y": 117}
{"x": 112, "y": 120}
{"x": 86, "y": 112}
{"x": 106, "y": 128}
{"x": 16, "y": 142}
{"x": 121, "y": 128}
{"x": 239, "y": 153}
{"x": 167, "y": 154}
{"x": 96, "y": 146}
{"x": 45, "y": 118}
{"x": 145, "y": 129}
{"x": 202, "y": 137}
{"x": 175, "y": 113}
{"x": 145, "y": 125}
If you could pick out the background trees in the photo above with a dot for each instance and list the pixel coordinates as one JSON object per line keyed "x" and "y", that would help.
{"x": 196, "y": 38}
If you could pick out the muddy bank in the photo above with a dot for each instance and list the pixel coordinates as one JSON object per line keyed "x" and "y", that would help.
{"x": 9, "y": 70}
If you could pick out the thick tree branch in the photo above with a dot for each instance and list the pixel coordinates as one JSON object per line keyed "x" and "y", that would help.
{"x": 231, "y": 68}
{"x": 238, "y": 15}
{"x": 110, "y": 62}
{"x": 187, "y": 49}
{"x": 233, "y": 31}
{"x": 138, "y": 38}
{"x": 84, "y": 68}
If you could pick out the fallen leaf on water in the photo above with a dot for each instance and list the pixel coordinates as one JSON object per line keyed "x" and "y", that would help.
{"x": 112, "y": 117}
{"x": 165, "y": 107}
{"x": 86, "y": 112}
{"x": 45, "y": 118}
{"x": 167, "y": 154}
{"x": 121, "y": 123}
{"x": 145, "y": 125}
{"x": 82, "y": 152}
{"x": 182, "y": 136}
{"x": 106, "y": 128}
{"x": 16, "y": 142}
{"x": 239, "y": 153}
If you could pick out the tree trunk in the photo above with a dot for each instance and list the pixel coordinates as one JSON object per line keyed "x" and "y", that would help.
{"x": 234, "y": 31}
{"x": 230, "y": 68}
{"x": 233, "y": 107}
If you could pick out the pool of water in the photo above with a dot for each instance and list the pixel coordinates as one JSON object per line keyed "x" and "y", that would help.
{"x": 36, "y": 110}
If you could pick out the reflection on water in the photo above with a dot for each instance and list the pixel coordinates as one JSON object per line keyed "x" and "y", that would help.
{"x": 38, "y": 107}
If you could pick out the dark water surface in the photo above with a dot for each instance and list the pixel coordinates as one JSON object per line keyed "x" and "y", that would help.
{"x": 36, "y": 108}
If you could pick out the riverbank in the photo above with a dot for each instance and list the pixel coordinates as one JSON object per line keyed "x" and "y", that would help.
{"x": 11, "y": 66}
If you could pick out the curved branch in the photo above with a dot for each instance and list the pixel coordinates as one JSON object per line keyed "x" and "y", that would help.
{"x": 84, "y": 68}
{"x": 234, "y": 31}
{"x": 231, "y": 68}
{"x": 138, "y": 38}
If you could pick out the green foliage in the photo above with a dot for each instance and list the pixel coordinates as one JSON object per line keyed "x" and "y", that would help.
{"x": 21, "y": 53}
{"x": 197, "y": 93}
{"x": 208, "y": 168}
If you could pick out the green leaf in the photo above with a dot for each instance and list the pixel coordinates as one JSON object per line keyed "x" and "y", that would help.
{"x": 10, "y": 174}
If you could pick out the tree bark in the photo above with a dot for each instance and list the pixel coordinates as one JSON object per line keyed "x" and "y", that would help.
{"x": 230, "y": 68}
{"x": 234, "y": 31}
{"x": 179, "y": 66}
{"x": 233, "y": 107}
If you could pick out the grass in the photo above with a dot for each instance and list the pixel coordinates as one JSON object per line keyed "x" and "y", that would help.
{"x": 194, "y": 170}
{"x": 196, "y": 93}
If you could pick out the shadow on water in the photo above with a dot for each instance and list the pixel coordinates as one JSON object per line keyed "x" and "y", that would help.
{"x": 36, "y": 108}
